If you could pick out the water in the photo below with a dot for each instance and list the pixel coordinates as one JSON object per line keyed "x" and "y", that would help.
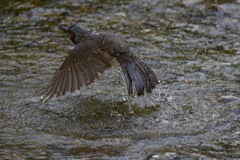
{"x": 193, "y": 114}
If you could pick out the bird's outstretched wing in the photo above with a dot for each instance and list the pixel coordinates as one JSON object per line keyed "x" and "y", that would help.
{"x": 80, "y": 68}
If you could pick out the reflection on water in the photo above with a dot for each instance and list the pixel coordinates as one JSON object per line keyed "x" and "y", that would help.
{"x": 194, "y": 48}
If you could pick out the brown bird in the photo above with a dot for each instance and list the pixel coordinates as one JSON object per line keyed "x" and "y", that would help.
{"x": 93, "y": 54}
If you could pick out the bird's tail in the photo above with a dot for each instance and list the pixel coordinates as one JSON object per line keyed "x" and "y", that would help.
{"x": 137, "y": 72}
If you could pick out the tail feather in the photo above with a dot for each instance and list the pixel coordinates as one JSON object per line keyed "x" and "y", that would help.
{"x": 139, "y": 73}
{"x": 127, "y": 76}
{"x": 149, "y": 74}
{"x": 137, "y": 77}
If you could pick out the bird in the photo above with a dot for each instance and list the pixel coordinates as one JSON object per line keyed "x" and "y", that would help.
{"x": 94, "y": 52}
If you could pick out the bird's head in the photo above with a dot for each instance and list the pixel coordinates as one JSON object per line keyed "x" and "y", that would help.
{"x": 74, "y": 32}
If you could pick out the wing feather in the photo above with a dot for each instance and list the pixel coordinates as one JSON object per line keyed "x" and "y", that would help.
{"x": 80, "y": 68}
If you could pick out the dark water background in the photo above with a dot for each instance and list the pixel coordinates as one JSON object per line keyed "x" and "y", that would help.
{"x": 193, "y": 47}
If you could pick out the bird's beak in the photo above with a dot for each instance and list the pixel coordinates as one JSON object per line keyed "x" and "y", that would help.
{"x": 64, "y": 29}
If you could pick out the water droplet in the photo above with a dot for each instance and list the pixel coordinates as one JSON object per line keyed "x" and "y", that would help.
{"x": 169, "y": 98}
{"x": 155, "y": 156}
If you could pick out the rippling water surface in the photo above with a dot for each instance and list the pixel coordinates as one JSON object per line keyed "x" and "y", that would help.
{"x": 193, "y": 47}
